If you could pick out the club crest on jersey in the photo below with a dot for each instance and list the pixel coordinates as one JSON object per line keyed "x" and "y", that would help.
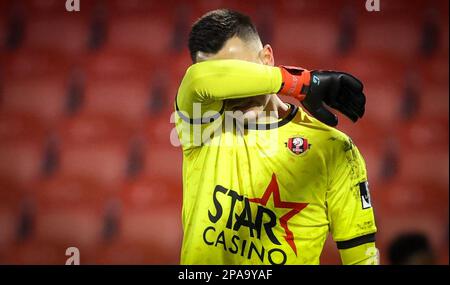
{"x": 298, "y": 145}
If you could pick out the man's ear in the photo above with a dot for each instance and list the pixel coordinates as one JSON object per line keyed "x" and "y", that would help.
{"x": 266, "y": 55}
{"x": 202, "y": 56}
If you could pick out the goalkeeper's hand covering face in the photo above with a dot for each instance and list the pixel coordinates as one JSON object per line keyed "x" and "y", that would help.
{"x": 338, "y": 90}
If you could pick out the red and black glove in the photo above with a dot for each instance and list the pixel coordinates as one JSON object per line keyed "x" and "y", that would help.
{"x": 338, "y": 90}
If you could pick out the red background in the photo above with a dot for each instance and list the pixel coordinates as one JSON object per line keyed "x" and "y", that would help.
{"x": 86, "y": 97}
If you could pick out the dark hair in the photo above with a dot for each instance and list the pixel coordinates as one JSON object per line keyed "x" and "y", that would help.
{"x": 213, "y": 29}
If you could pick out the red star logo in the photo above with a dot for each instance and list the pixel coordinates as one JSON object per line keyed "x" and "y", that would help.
{"x": 294, "y": 206}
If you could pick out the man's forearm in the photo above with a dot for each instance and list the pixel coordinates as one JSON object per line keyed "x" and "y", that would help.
{"x": 211, "y": 81}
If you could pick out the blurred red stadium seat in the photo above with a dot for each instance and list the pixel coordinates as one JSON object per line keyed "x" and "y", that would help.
{"x": 34, "y": 63}
{"x": 10, "y": 202}
{"x": 372, "y": 154}
{"x": 423, "y": 133}
{"x": 15, "y": 128}
{"x": 85, "y": 129}
{"x": 36, "y": 252}
{"x": 408, "y": 195}
{"x": 67, "y": 34}
{"x": 141, "y": 34}
{"x": 383, "y": 96}
{"x": 70, "y": 211}
{"x": 114, "y": 64}
{"x": 150, "y": 216}
{"x": 140, "y": 7}
{"x": 380, "y": 35}
{"x": 383, "y": 102}
{"x": 36, "y": 84}
{"x": 178, "y": 67}
{"x": 322, "y": 36}
{"x": 256, "y": 9}
{"x": 434, "y": 83}
{"x": 22, "y": 146}
{"x": 127, "y": 99}
{"x": 439, "y": 91}
{"x": 94, "y": 148}
{"x": 121, "y": 85}
{"x": 305, "y": 60}
{"x": 304, "y": 7}
{"x": 369, "y": 66}
{"x": 385, "y": 81}
{"x": 147, "y": 192}
{"x": 435, "y": 68}
{"x": 163, "y": 161}
{"x": 160, "y": 129}
{"x": 428, "y": 165}
{"x": 149, "y": 225}
{"x": 41, "y": 97}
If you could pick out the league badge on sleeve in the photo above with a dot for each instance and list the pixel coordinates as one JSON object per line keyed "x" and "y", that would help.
{"x": 365, "y": 195}
{"x": 298, "y": 145}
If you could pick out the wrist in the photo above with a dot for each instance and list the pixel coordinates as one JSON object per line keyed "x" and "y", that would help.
{"x": 295, "y": 82}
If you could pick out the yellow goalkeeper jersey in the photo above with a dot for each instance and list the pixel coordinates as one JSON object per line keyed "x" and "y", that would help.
{"x": 264, "y": 193}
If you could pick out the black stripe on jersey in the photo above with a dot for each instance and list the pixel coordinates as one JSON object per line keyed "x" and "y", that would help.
{"x": 199, "y": 121}
{"x": 356, "y": 241}
{"x": 282, "y": 122}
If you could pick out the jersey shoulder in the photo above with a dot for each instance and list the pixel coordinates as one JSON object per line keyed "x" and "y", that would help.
{"x": 336, "y": 147}
{"x": 327, "y": 136}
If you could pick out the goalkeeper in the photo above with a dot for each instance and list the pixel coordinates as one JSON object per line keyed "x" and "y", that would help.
{"x": 268, "y": 187}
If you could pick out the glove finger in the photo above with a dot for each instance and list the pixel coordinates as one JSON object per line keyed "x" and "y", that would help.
{"x": 353, "y": 106}
{"x": 323, "y": 115}
{"x": 350, "y": 108}
{"x": 359, "y": 110}
{"x": 358, "y": 98}
{"x": 351, "y": 114}
{"x": 355, "y": 95}
{"x": 347, "y": 97}
{"x": 347, "y": 106}
{"x": 352, "y": 82}
{"x": 355, "y": 101}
